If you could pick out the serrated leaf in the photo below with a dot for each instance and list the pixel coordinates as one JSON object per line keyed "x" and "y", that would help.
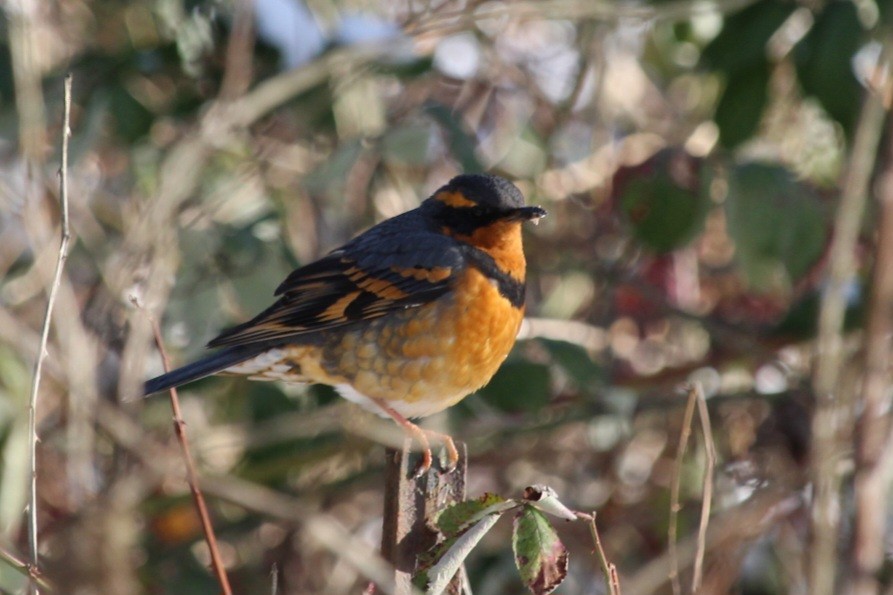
{"x": 774, "y": 220}
{"x": 740, "y": 109}
{"x": 435, "y": 579}
{"x": 454, "y": 518}
{"x": 462, "y": 525}
{"x": 539, "y": 554}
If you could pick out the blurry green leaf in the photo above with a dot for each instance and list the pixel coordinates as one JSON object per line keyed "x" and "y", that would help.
{"x": 404, "y": 69}
{"x": 774, "y": 221}
{"x": 886, "y": 13}
{"x": 539, "y": 554}
{"x": 574, "y": 360}
{"x": 7, "y": 85}
{"x": 662, "y": 200}
{"x": 132, "y": 120}
{"x": 740, "y": 108}
{"x": 742, "y": 41}
{"x": 824, "y": 61}
{"x": 461, "y": 144}
{"x": 407, "y": 144}
{"x": 519, "y": 386}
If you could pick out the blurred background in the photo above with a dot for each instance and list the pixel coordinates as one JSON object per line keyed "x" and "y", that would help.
{"x": 691, "y": 154}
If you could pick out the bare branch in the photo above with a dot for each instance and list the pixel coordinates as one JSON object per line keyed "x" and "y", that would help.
{"x": 834, "y": 406}
{"x": 674, "y": 490}
{"x": 873, "y": 468}
{"x": 707, "y": 487}
{"x": 612, "y": 579}
{"x": 44, "y": 338}
{"x": 191, "y": 473}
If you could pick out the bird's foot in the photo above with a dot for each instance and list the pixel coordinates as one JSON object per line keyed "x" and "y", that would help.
{"x": 424, "y": 438}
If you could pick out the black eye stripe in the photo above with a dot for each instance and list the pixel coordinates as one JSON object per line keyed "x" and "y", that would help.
{"x": 465, "y": 220}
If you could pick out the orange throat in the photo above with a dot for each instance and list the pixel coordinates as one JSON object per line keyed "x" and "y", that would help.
{"x": 502, "y": 241}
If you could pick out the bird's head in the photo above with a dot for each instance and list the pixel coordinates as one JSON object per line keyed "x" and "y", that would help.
{"x": 471, "y": 203}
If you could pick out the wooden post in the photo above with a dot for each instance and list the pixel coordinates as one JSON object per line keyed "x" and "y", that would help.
{"x": 410, "y": 505}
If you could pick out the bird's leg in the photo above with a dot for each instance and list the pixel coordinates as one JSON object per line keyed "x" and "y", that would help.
{"x": 422, "y": 436}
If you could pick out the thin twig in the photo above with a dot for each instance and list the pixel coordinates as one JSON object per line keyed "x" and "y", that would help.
{"x": 191, "y": 473}
{"x": 321, "y": 527}
{"x": 832, "y": 420}
{"x": 24, "y": 567}
{"x": 674, "y": 490}
{"x": 44, "y": 338}
{"x": 612, "y": 579}
{"x": 873, "y": 427}
{"x": 324, "y": 529}
{"x": 707, "y": 487}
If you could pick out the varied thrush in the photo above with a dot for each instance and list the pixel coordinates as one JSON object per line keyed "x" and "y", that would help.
{"x": 406, "y": 319}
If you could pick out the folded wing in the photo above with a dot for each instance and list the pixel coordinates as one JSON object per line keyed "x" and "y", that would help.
{"x": 362, "y": 281}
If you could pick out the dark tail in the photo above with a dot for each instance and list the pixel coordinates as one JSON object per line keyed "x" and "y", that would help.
{"x": 212, "y": 364}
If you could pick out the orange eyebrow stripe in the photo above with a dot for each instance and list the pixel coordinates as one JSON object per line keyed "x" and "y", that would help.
{"x": 454, "y": 199}
{"x": 432, "y": 275}
{"x": 336, "y": 310}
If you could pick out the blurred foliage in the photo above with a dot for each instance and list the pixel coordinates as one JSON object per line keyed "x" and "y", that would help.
{"x": 689, "y": 156}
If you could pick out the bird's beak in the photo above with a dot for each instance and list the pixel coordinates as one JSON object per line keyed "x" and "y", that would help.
{"x": 533, "y": 214}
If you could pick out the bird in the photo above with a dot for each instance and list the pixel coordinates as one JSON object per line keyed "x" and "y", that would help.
{"x": 405, "y": 320}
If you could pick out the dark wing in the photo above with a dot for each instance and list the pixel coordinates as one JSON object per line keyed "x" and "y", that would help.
{"x": 382, "y": 271}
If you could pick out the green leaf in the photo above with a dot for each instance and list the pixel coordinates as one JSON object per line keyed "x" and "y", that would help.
{"x": 662, "y": 200}
{"x": 462, "y": 525}
{"x": 539, "y": 554}
{"x": 775, "y": 222}
{"x": 450, "y": 554}
{"x": 519, "y": 386}
{"x": 458, "y": 516}
{"x": 403, "y": 68}
{"x": 824, "y": 61}
{"x": 132, "y": 119}
{"x": 740, "y": 108}
{"x": 742, "y": 41}
{"x": 574, "y": 360}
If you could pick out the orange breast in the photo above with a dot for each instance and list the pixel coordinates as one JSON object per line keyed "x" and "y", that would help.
{"x": 426, "y": 359}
